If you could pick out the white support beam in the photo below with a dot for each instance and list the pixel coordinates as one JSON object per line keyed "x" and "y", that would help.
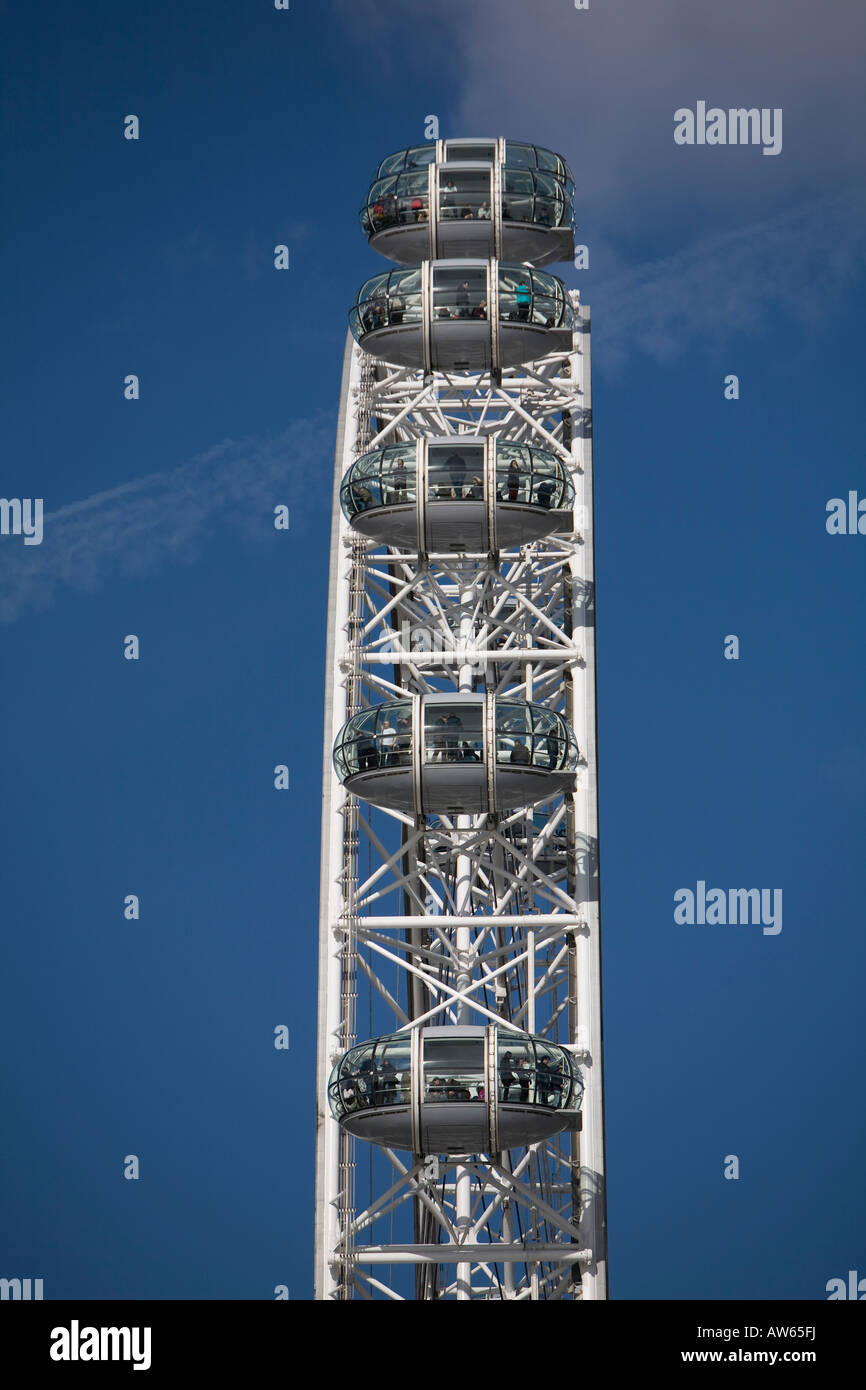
{"x": 488, "y": 943}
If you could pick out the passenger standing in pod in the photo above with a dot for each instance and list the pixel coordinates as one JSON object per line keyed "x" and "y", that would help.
{"x": 544, "y": 493}
{"x": 367, "y": 1079}
{"x": 368, "y": 756}
{"x": 513, "y": 480}
{"x": 542, "y": 1080}
{"x": 362, "y": 495}
{"x": 457, "y": 473}
{"x": 439, "y": 739}
{"x": 556, "y": 1083}
{"x": 524, "y": 1075}
{"x": 454, "y": 725}
{"x": 400, "y": 480}
{"x": 388, "y": 1082}
{"x": 379, "y": 308}
{"x": 506, "y": 1074}
{"x": 403, "y": 744}
{"x": 387, "y": 739}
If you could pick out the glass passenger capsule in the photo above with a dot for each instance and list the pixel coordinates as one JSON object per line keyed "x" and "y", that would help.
{"x": 456, "y": 753}
{"x": 465, "y": 315}
{"x": 471, "y": 198}
{"x": 435, "y": 1090}
{"x": 458, "y": 493}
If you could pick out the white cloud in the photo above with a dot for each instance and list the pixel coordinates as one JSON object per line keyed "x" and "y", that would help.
{"x": 601, "y": 86}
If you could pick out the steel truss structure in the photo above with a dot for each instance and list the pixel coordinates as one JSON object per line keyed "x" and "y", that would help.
{"x": 468, "y": 919}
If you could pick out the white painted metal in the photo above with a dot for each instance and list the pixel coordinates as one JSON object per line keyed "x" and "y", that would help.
{"x": 473, "y": 918}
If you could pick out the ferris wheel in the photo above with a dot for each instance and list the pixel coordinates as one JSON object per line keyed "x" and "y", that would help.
{"x": 460, "y": 1141}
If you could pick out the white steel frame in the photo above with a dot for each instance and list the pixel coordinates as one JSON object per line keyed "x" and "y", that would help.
{"x": 467, "y": 919}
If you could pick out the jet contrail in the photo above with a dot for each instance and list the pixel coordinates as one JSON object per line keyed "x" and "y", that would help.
{"x": 133, "y": 528}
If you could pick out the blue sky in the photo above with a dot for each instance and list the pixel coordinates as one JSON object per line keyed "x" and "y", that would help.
{"x": 155, "y": 257}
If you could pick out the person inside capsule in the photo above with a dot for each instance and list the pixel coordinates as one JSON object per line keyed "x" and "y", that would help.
{"x": 457, "y": 472}
{"x": 363, "y": 496}
{"x": 379, "y": 1074}
{"x": 400, "y": 478}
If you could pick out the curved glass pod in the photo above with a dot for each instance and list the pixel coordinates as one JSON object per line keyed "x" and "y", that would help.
{"x": 463, "y": 316}
{"x": 480, "y": 150}
{"x": 455, "y": 1090}
{"x": 471, "y": 198}
{"x": 456, "y": 753}
{"x": 458, "y": 493}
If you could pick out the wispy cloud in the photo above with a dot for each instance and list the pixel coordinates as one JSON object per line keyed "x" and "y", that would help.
{"x": 169, "y": 517}
{"x": 798, "y": 264}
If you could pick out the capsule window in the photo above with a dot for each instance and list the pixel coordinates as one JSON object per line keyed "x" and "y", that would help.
{"x": 419, "y": 155}
{"x": 392, "y": 164}
{"x": 413, "y": 200}
{"x": 373, "y": 299}
{"x": 362, "y": 487}
{"x": 515, "y": 294}
{"x": 381, "y": 208}
{"x": 520, "y": 155}
{"x": 382, "y": 188}
{"x": 455, "y": 472}
{"x": 393, "y": 1071}
{"x": 453, "y": 1070}
{"x": 393, "y": 743}
{"x": 545, "y": 310}
{"x": 517, "y": 196}
{"x": 470, "y": 153}
{"x": 548, "y": 742}
{"x": 552, "y": 1077}
{"x": 512, "y": 472}
{"x": 516, "y": 1069}
{"x": 356, "y": 1088}
{"x": 464, "y": 195}
{"x": 398, "y": 474}
{"x": 359, "y": 752}
{"x": 404, "y": 297}
{"x": 549, "y": 201}
{"x": 518, "y": 181}
{"x": 453, "y": 733}
{"x": 548, "y": 481}
{"x": 546, "y": 159}
{"x": 513, "y": 734}
{"x": 459, "y": 293}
